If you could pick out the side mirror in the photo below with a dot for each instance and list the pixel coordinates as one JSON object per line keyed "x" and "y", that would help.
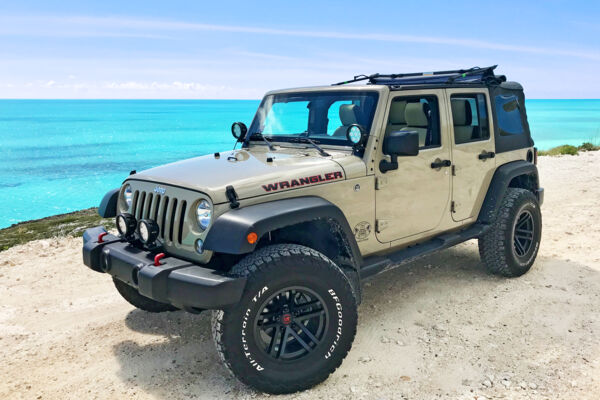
{"x": 396, "y": 144}
{"x": 238, "y": 130}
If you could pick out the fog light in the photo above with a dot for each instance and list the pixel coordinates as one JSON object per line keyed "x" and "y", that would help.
{"x": 199, "y": 244}
{"x": 147, "y": 231}
{"x": 126, "y": 224}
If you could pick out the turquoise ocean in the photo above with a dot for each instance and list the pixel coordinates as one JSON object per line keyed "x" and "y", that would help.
{"x": 58, "y": 156}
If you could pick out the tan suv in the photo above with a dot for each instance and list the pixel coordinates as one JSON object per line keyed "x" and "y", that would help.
{"x": 331, "y": 185}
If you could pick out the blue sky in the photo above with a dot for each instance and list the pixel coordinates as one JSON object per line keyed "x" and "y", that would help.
{"x": 240, "y": 49}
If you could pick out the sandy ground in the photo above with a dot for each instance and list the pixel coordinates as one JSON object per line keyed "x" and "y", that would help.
{"x": 438, "y": 328}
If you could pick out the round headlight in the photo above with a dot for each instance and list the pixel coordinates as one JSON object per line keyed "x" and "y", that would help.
{"x": 128, "y": 195}
{"x": 203, "y": 214}
{"x": 126, "y": 224}
{"x": 147, "y": 231}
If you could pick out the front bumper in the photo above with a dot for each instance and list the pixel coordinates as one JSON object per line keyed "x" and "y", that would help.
{"x": 177, "y": 282}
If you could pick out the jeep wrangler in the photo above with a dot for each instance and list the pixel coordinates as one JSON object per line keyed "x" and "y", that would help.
{"x": 330, "y": 185}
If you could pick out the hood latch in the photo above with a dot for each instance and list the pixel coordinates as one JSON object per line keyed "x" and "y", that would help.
{"x": 232, "y": 197}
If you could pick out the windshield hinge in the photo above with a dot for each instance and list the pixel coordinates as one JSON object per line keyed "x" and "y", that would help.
{"x": 380, "y": 182}
{"x": 232, "y": 197}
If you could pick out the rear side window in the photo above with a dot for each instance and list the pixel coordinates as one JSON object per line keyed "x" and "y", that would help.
{"x": 508, "y": 112}
{"x": 469, "y": 117}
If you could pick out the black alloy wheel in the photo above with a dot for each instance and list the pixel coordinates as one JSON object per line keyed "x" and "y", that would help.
{"x": 292, "y": 323}
{"x": 523, "y": 233}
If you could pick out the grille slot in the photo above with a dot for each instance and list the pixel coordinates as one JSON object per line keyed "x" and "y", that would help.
{"x": 168, "y": 213}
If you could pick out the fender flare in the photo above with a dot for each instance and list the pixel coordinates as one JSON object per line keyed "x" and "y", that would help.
{"x": 229, "y": 231}
{"x": 499, "y": 184}
{"x": 108, "y": 205}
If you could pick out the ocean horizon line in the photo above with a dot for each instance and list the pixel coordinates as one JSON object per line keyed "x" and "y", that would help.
{"x": 209, "y": 99}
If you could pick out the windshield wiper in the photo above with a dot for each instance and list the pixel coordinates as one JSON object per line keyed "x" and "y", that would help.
{"x": 264, "y": 139}
{"x": 309, "y": 141}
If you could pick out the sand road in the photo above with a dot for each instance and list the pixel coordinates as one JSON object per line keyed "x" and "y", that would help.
{"x": 437, "y": 328}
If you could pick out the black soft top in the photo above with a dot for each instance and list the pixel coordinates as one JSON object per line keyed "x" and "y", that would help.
{"x": 460, "y": 77}
{"x": 504, "y": 95}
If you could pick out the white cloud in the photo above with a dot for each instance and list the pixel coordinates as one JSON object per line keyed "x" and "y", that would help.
{"x": 136, "y": 27}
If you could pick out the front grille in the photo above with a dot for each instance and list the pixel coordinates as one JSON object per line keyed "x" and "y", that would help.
{"x": 168, "y": 212}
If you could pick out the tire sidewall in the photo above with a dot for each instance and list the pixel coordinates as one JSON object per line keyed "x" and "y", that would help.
{"x": 523, "y": 203}
{"x": 251, "y": 363}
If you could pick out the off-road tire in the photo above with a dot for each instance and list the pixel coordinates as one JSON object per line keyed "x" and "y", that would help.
{"x": 142, "y": 302}
{"x": 497, "y": 248}
{"x": 269, "y": 271}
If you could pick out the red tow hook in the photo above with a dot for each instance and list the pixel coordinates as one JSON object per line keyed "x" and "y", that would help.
{"x": 157, "y": 259}
{"x": 101, "y": 237}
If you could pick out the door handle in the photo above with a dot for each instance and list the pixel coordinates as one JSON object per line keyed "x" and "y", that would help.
{"x": 485, "y": 155}
{"x": 437, "y": 164}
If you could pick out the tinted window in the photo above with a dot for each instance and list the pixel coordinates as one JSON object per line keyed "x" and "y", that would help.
{"x": 508, "y": 112}
{"x": 323, "y": 117}
{"x": 469, "y": 117}
{"x": 422, "y": 115}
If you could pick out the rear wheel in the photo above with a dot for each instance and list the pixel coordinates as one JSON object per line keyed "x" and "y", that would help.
{"x": 142, "y": 302}
{"x": 511, "y": 245}
{"x": 295, "y": 323}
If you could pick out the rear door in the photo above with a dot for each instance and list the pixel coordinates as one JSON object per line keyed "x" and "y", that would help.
{"x": 473, "y": 148}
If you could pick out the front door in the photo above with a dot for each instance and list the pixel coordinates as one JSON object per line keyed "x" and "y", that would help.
{"x": 472, "y": 150}
{"x": 415, "y": 197}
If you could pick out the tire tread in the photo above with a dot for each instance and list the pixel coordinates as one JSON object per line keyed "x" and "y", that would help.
{"x": 265, "y": 259}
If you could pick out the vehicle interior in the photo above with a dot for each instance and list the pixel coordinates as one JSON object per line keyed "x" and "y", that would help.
{"x": 416, "y": 114}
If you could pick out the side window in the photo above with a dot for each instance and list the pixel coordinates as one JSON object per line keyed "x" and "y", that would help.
{"x": 287, "y": 118}
{"x": 421, "y": 114}
{"x": 508, "y": 112}
{"x": 469, "y": 117}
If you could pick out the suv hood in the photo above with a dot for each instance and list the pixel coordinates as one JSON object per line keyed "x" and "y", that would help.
{"x": 250, "y": 174}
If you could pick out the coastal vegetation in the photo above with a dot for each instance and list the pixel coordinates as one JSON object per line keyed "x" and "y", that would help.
{"x": 71, "y": 224}
{"x": 567, "y": 149}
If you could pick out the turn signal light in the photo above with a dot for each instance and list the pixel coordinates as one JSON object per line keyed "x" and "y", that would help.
{"x": 252, "y": 237}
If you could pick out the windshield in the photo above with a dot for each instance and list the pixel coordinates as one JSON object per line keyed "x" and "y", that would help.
{"x": 323, "y": 117}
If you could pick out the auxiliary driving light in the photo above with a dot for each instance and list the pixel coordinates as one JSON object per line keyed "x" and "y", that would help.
{"x": 147, "y": 231}
{"x": 126, "y": 224}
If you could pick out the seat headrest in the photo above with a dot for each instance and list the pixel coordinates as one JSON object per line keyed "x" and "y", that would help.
{"x": 461, "y": 112}
{"x": 415, "y": 114}
{"x": 397, "y": 113}
{"x": 348, "y": 114}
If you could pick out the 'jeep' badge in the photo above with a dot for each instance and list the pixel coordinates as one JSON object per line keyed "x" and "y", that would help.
{"x": 160, "y": 190}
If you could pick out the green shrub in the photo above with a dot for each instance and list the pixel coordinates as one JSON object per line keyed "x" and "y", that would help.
{"x": 565, "y": 149}
{"x": 588, "y": 146}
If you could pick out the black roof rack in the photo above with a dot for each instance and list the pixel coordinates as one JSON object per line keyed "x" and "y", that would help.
{"x": 475, "y": 75}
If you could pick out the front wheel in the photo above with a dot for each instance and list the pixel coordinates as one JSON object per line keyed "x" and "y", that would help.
{"x": 511, "y": 245}
{"x": 294, "y": 324}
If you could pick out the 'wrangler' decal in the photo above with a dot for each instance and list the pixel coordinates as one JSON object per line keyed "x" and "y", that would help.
{"x": 302, "y": 181}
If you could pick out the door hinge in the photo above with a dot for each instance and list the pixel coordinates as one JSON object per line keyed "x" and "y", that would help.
{"x": 380, "y": 182}
{"x": 452, "y": 207}
{"x": 453, "y": 170}
{"x": 381, "y": 224}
